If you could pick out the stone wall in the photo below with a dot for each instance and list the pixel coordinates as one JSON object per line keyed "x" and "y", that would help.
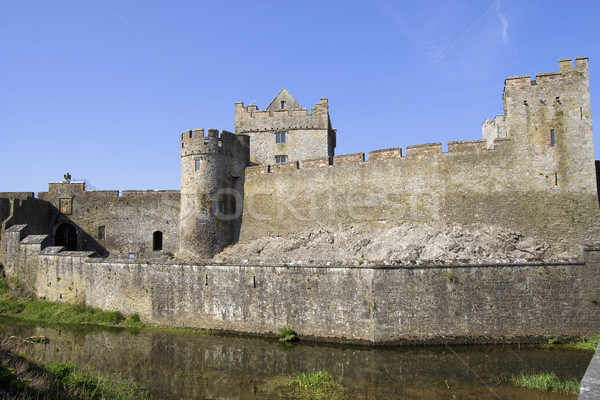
{"x": 308, "y": 135}
{"x": 129, "y": 219}
{"x": 212, "y": 183}
{"x": 469, "y": 184}
{"x": 412, "y": 303}
{"x": 539, "y": 180}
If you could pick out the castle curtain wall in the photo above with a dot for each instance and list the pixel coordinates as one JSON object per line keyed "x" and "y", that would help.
{"x": 534, "y": 173}
{"x": 469, "y": 184}
{"x": 107, "y": 222}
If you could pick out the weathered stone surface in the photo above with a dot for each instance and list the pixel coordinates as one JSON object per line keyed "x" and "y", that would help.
{"x": 360, "y": 243}
{"x": 481, "y": 243}
{"x": 420, "y": 302}
{"x": 308, "y": 135}
{"x": 590, "y": 384}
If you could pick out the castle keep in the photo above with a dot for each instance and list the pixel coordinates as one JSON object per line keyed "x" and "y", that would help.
{"x": 151, "y": 252}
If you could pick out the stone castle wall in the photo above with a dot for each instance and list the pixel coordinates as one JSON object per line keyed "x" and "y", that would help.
{"x": 533, "y": 172}
{"x": 129, "y": 219}
{"x": 469, "y": 184}
{"x": 212, "y": 182}
{"x": 527, "y": 181}
{"x": 426, "y": 303}
{"x": 309, "y": 135}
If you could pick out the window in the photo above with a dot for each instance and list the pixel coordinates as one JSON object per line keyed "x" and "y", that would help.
{"x": 196, "y": 165}
{"x": 280, "y": 159}
{"x": 157, "y": 241}
{"x": 552, "y": 138}
{"x": 101, "y": 232}
{"x": 280, "y": 136}
{"x": 283, "y": 105}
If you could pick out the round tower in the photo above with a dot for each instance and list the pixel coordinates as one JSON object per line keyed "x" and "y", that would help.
{"x": 203, "y": 173}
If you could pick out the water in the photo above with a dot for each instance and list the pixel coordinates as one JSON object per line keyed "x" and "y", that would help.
{"x": 195, "y": 366}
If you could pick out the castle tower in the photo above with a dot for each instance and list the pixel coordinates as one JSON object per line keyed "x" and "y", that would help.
{"x": 212, "y": 177}
{"x": 549, "y": 121}
{"x": 285, "y": 131}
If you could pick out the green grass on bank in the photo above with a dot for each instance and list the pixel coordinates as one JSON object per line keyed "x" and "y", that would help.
{"x": 16, "y": 302}
{"x": 589, "y": 343}
{"x": 305, "y": 386}
{"x": 23, "y": 378}
{"x": 546, "y": 382}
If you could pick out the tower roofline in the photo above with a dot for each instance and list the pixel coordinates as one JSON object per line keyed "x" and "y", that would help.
{"x": 284, "y": 101}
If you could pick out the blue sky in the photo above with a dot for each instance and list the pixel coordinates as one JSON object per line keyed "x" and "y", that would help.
{"x": 102, "y": 89}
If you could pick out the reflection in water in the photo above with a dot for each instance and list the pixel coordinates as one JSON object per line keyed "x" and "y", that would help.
{"x": 196, "y": 366}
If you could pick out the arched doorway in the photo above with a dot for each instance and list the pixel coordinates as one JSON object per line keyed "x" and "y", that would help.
{"x": 157, "y": 241}
{"x": 66, "y": 235}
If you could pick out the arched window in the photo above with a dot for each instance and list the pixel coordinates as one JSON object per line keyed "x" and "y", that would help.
{"x": 66, "y": 236}
{"x": 157, "y": 241}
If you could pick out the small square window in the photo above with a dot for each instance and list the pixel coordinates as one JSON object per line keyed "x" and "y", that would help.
{"x": 280, "y": 137}
{"x": 280, "y": 159}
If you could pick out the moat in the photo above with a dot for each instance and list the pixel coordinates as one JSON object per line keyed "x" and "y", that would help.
{"x": 198, "y": 366}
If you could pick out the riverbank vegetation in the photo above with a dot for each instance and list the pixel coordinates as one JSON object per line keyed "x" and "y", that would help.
{"x": 16, "y": 302}
{"x": 22, "y": 377}
{"x": 305, "y": 386}
{"x": 546, "y": 382}
{"x": 589, "y": 343}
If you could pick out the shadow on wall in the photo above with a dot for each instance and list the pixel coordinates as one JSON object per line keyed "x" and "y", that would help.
{"x": 65, "y": 232}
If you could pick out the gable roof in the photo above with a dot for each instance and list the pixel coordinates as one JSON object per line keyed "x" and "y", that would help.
{"x": 290, "y": 102}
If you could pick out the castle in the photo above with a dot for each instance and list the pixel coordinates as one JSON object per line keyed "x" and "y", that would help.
{"x": 533, "y": 172}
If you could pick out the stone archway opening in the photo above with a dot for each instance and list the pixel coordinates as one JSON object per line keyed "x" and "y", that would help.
{"x": 66, "y": 236}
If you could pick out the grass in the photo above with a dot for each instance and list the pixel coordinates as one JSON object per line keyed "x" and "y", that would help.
{"x": 589, "y": 343}
{"x": 546, "y": 382}
{"x": 15, "y": 302}
{"x": 585, "y": 343}
{"x": 287, "y": 335}
{"x": 305, "y": 386}
{"x": 24, "y": 378}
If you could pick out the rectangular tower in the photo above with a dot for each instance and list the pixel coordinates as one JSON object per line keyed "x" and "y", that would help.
{"x": 285, "y": 131}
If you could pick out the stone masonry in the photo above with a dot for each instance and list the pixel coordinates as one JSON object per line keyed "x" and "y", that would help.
{"x": 530, "y": 180}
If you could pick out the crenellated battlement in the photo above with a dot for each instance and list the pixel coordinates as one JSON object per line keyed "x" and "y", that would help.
{"x": 426, "y": 151}
{"x": 194, "y": 142}
{"x": 251, "y": 119}
{"x": 565, "y": 68}
{"x": 285, "y": 128}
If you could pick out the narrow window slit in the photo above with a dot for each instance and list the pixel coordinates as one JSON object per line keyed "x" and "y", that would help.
{"x": 157, "y": 241}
